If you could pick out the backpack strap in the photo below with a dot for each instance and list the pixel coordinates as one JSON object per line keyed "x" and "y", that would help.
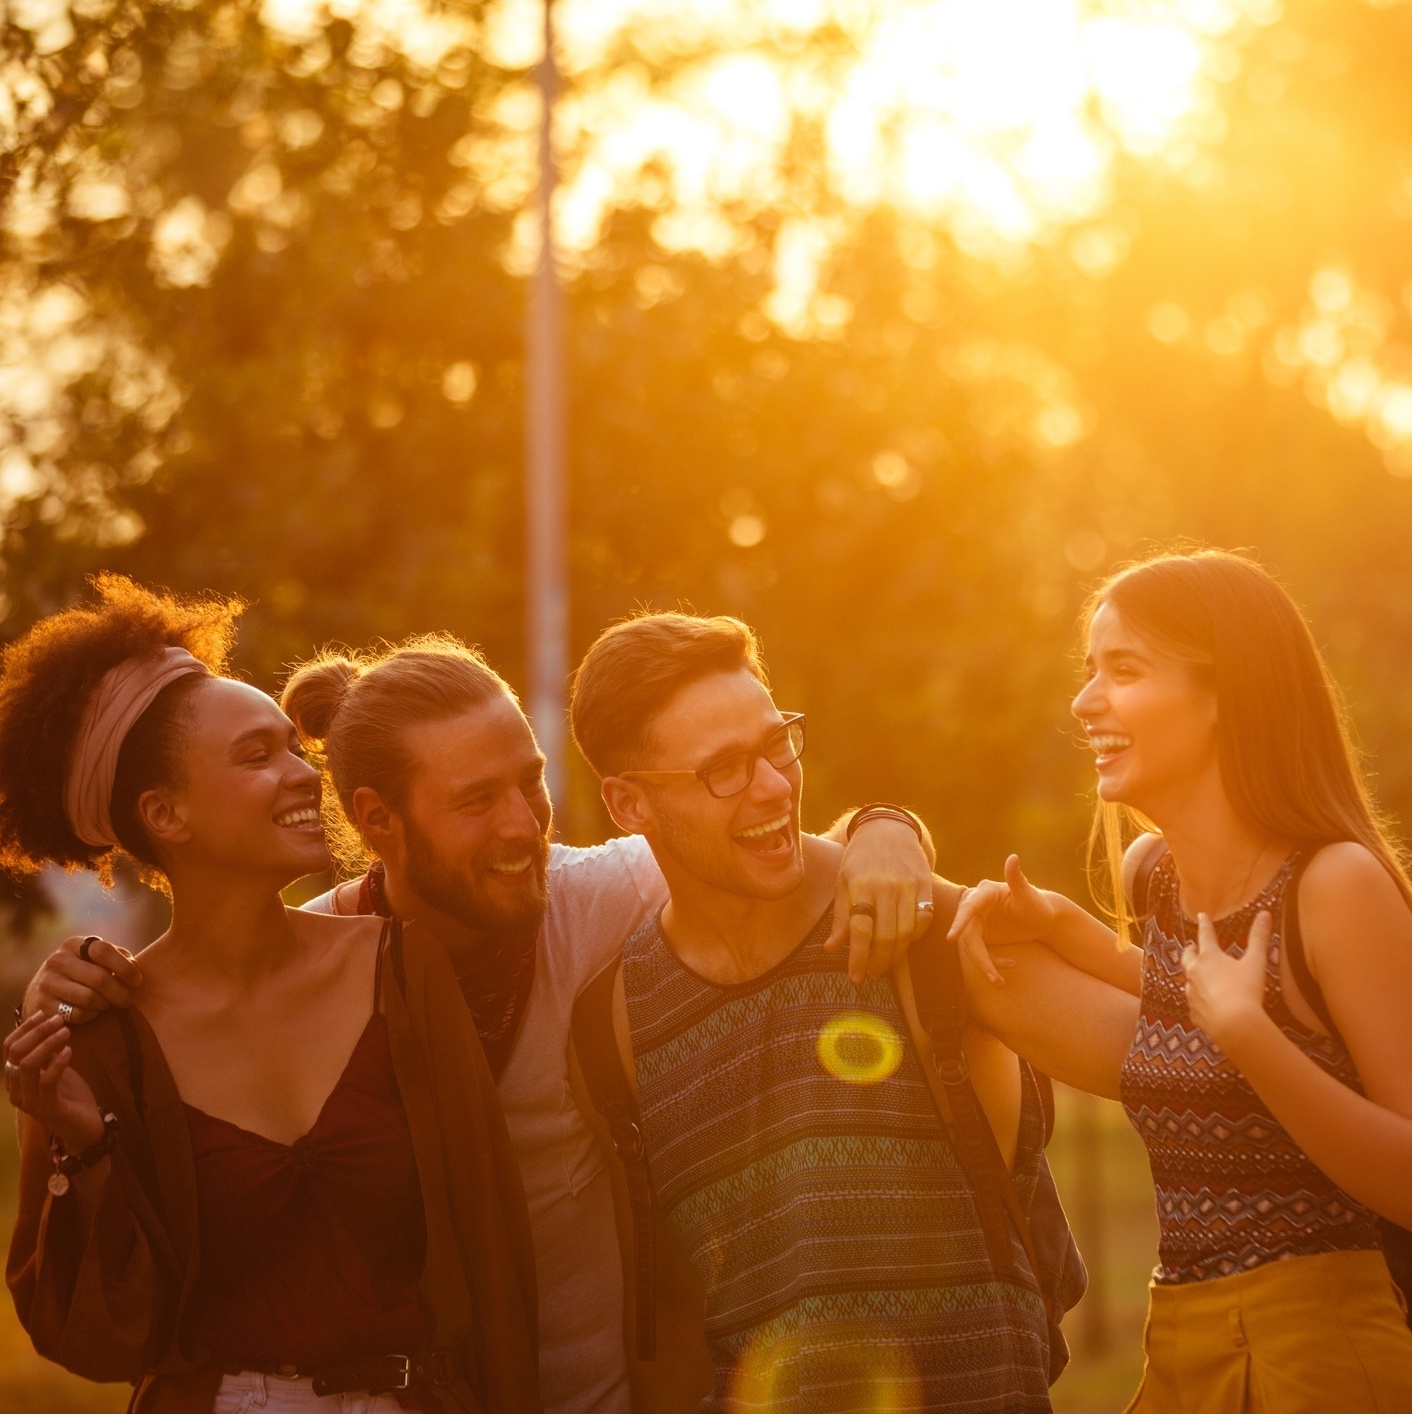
{"x": 1142, "y": 879}
{"x": 612, "y": 1096}
{"x": 1293, "y": 940}
{"x": 939, "y": 989}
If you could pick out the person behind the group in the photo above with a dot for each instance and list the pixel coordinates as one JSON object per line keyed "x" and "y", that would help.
{"x": 1271, "y": 1082}
{"x": 439, "y": 778}
{"x": 819, "y": 1196}
{"x": 284, "y": 1170}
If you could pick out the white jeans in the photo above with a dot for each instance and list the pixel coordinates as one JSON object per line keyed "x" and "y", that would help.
{"x": 273, "y": 1394}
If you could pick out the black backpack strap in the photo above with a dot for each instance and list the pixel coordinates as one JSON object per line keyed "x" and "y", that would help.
{"x": 1292, "y": 938}
{"x": 1142, "y": 879}
{"x": 612, "y": 1096}
{"x": 1397, "y": 1241}
{"x": 939, "y": 989}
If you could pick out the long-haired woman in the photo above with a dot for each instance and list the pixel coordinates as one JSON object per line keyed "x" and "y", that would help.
{"x": 1269, "y": 1071}
{"x": 282, "y": 1176}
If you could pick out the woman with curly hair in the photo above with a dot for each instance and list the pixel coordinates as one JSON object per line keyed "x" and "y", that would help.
{"x": 282, "y": 1176}
{"x": 1264, "y": 1054}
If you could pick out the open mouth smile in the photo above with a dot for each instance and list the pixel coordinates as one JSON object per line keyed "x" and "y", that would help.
{"x": 304, "y": 818}
{"x": 1108, "y": 746}
{"x": 773, "y": 839}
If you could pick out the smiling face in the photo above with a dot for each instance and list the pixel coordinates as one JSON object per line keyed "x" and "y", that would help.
{"x": 477, "y": 817}
{"x": 247, "y": 798}
{"x": 1150, "y": 718}
{"x": 747, "y": 844}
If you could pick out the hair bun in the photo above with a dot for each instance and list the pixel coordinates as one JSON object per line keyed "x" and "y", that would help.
{"x": 315, "y": 691}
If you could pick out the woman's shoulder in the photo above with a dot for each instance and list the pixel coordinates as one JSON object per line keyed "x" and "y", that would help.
{"x": 1347, "y": 895}
{"x": 1138, "y": 859}
{"x": 1348, "y": 874}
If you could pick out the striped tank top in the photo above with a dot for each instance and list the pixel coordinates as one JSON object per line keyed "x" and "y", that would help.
{"x": 1234, "y": 1191}
{"x": 797, "y": 1153}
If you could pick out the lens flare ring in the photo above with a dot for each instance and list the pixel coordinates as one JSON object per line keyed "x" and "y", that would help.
{"x": 859, "y": 1047}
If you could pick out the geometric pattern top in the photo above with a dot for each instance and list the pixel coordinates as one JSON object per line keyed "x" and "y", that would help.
{"x": 1234, "y": 1191}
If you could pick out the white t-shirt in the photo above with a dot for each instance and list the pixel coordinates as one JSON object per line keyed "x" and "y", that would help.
{"x": 598, "y": 898}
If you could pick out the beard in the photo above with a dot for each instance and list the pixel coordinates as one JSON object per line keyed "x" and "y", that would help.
{"x": 462, "y": 894}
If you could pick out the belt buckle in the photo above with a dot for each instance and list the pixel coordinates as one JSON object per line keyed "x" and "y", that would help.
{"x": 404, "y": 1377}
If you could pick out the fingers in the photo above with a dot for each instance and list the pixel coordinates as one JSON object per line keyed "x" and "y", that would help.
{"x": 973, "y": 948}
{"x": 975, "y": 906}
{"x": 1257, "y": 941}
{"x": 118, "y": 962}
{"x": 896, "y": 918}
{"x": 1207, "y": 940}
{"x": 839, "y": 933}
{"x": 29, "y": 1034}
{"x": 108, "y": 979}
{"x": 860, "y": 942}
{"x": 1015, "y": 876}
{"x": 38, "y": 1048}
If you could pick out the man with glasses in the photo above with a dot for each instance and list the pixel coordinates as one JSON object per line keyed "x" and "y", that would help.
{"x": 791, "y": 1137}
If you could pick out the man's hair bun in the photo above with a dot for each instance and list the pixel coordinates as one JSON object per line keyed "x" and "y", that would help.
{"x": 316, "y": 690}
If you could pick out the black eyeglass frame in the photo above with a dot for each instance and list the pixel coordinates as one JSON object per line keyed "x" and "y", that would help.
{"x": 789, "y": 722}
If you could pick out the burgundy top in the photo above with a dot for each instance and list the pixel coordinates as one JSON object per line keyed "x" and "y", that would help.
{"x": 311, "y": 1252}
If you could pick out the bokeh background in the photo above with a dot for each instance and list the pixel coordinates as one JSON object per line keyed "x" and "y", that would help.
{"x": 890, "y": 326}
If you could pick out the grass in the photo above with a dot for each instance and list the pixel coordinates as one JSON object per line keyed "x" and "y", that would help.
{"x": 1101, "y": 1170}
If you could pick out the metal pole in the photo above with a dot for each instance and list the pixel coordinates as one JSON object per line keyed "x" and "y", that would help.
{"x": 546, "y": 570}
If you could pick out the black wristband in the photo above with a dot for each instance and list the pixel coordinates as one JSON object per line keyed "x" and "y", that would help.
{"x": 67, "y": 1163}
{"x": 882, "y": 810}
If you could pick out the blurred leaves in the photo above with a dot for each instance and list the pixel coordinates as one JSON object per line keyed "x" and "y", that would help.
{"x": 260, "y": 330}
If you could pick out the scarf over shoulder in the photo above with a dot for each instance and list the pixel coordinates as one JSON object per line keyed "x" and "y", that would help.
{"x": 102, "y": 1276}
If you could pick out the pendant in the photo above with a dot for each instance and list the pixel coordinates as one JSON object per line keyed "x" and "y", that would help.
{"x": 58, "y": 1183}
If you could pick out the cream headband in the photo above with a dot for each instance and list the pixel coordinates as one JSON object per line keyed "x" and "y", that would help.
{"x": 123, "y": 694}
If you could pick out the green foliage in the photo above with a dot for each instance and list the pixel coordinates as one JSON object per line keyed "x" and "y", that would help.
{"x": 910, "y": 513}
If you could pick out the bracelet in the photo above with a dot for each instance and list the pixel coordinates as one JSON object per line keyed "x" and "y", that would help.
{"x": 66, "y": 1164}
{"x": 881, "y": 810}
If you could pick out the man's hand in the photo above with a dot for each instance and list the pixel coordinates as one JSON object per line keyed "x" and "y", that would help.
{"x": 884, "y": 879}
{"x": 109, "y": 977}
{"x": 996, "y": 914}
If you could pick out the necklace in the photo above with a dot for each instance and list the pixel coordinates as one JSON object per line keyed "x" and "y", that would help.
{"x": 1240, "y": 897}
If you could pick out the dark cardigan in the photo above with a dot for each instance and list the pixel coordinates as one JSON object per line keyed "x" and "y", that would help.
{"x": 102, "y": 1276}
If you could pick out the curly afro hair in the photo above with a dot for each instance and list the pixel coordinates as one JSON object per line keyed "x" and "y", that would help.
{"x": 46, "y": 679}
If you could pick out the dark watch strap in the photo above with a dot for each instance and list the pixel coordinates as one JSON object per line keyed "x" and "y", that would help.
{"x": 883, "y": 810}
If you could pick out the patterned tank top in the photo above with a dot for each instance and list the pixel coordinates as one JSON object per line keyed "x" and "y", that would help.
{"x": 1234, "y": 1191}
{"x": 797, "y": 1153}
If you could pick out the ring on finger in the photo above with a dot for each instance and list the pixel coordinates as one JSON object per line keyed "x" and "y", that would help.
{"x": 863, "y": 910}
{"x": 12, "y": 1071}
{"x": 925, "y": 905}
{"x": 85, "y": 948}
{"x": 66, "y": 1012}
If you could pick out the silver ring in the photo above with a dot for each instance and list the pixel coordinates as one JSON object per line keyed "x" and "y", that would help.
{"x": 925, "y": 905}
{"x": 66, "y": 1012}
{"x": 12, "y": 1071}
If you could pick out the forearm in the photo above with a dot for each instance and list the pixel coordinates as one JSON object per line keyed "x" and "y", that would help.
{"x": 1067, "y": 1022}
{"x": 1091, "y": 946}
{"x": 1365, "y": 1148}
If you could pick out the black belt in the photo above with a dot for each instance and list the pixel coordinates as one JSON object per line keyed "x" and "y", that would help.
{"x": 383, "y": 1374}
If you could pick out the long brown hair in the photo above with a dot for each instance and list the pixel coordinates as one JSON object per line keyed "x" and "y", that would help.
{"x": 1287, "y": 757}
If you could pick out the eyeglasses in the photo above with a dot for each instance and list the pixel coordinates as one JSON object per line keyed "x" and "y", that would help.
{"x": 729, "y": 775}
